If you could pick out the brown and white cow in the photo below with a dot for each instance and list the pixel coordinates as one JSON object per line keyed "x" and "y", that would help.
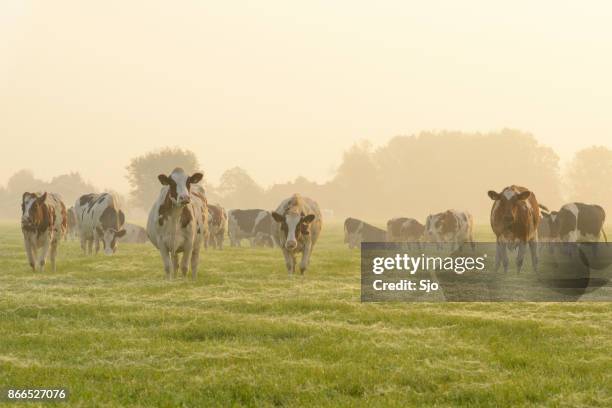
{"x": 299, "y": 226}
{"x": 178, "y": 222}
{"x": 43, "y": 224}
{"x": 515, "y": 217}
{"x": 100, "y": 220}
{"x": 357, "y": 231}
{"x": 450, "y": 227}
{"x": 217, "y": 224}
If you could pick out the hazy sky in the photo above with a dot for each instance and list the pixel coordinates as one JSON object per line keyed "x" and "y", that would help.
{"x": 282, "y": 88}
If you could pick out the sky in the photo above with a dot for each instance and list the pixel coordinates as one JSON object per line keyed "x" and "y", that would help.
{"x": 282, "y": 88}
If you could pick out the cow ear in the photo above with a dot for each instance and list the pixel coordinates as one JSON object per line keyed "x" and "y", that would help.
{"x": 120, "y": 233}
{"x": 308, "y": 219}
{"x": 43, "y": 197}
{"x": 493, "y": 195}
{"x": 195, "y": 178}
{"x": 165, "y": 180}
{"x": 277, "y": 217}
{"x": 524, "y": 195}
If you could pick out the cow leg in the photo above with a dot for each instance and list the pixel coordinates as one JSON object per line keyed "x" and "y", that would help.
{"x": 30, "y": 253}
{"x": 84, "y": 245}
{"x": 501, "y": 256}
{"x": 42, "y": 256}
{"x": 97, "y": 241}
{"x": 168, "y": 267}
{"x": 53, "y": 253}
{"x": 175, "y": 264}
{"x": 305, "y": 258}
{"x": 89, "y": 246}
{"x": 188, "y": 251}
{"x": 195, "y": 259}
{"x": 533, "y": 250}
{"x": 521, "y": 256}
{"x": 289, "y": 262}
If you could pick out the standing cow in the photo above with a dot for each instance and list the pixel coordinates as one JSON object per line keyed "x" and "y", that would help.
{"x": 515, "y": 217}
{"x": 451, "y": 226}
{"x": 43, "y": 223}
{"x": 178, "y": 222}
{"x": 99, "y": 219}
{"x": 241, "y": 225}
{"x": 299, "y": 226}
{"x": 357, "y": 231}
{"x": 264, "y": 231}
{"x": 217, "y": 222}
{"x": 578, "y": 222}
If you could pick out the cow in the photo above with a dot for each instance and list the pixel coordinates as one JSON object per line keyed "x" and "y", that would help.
{"x": 299, "y": 226}
{"x": 515, "y": 218}
{"x": 217, "y": 224}
{"x": 547, "y": 230}
{"x": 451, "y": 226}
{"x": 99, "y": 219}
{"x": 178, "y": 222}
{"x": 134, "y": 234}
{"x": 241, "y": 225}
{"x": 357, "y": 231}
{"x": 43, "y": 224}
{"x": 264, "y": 231}
{"x": 73, "y": 227}
{"x": 579, "y": 222}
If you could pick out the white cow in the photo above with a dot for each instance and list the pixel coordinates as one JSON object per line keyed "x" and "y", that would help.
{"x": 99, "y": 219}
{"x": 178, "y": 222}
{"x": 452, "y": 226}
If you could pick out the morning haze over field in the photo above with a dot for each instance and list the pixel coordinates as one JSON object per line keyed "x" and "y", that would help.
{"x": 282, "y": 89}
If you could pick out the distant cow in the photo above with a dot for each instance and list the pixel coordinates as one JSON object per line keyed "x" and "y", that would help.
{"x": 357, "y": 231}
{"x": 578, "y": 222}
{"x": 241, "y": 225}
{"x": 515, "y": 218}
{"x": 72, "y": 230}
{"x": 99, "y": 219}
{"x": 264, "y": 231}
{"x": 178, "y": 222}
{"x": 547, "y": 230}
{"x": 217, "y": 224}
{"x": 451, "y": 226}
{"x": 134, "y": 234}
{"x": 43, "y": 223}
{"x": 299, "y": 226}
{"x": 404, "y": 229}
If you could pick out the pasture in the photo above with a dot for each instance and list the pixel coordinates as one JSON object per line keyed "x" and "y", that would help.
{"x": 116, "y": 333}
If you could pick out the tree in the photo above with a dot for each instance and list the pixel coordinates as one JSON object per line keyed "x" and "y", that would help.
{"x": 588, "y": 176}
{"x": 143, "y": 171}
{"x": 238, "y": 189}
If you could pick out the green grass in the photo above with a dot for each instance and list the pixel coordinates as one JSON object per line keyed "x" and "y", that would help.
{"x": 114, "y": 332}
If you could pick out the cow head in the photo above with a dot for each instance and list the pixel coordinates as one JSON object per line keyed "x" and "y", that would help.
{"x": 180, "y": 185}
{"x": 507, "y": 203}
{"x": 293, "y": 226}
{"x": 109, "y": 238}
{"x": 32, "y": 209}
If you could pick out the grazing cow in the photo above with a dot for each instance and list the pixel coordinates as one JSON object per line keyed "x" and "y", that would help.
{"x": 134, "y": 234}
{"x": 264, "y": 231}
{"x": 357, "y": 231}
{"x": 217, "y": 224}
{"x": 99, "y": 219}
{"x": 178, "y": 222}
{"x": 451, "y": 226}
{"x": 299, "y": 226}
{"x": 43, "y": 223}
{"x": 578, "y": 222}
{"x": 241, "y": 225}
{"x": 515, "y": 218}
{"x": 73, "y": 227}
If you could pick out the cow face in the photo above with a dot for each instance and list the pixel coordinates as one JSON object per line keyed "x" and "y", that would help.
{"x": 180, "y": 185}
{"x": 32, "y": 209}
{"x": 294, "y": 226}
{"x": 507, "y": 205}
{"x": 109, "y": 238}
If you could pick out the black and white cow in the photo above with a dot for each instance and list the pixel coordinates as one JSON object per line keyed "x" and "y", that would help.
{"x": 43, "y": 224}
{"x": 578, "y": 222}
{"x": 357, "y": 231}
{"x": 241, "y": 225}
{"x": 99, "y": 219}
{"x": 178, "y": 222}
{"x": 299, "y": 226}
{"x": 134, "y": 234}
{"x": 264, "y": 231}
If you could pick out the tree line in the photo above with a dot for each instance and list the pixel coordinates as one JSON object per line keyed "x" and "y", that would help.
{"x": 409, "y": 176}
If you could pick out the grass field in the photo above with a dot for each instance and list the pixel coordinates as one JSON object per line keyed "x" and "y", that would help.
{"x": 114, "y": 332}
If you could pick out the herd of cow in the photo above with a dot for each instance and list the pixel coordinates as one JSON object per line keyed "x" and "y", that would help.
{"x": 182, "y": 221}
